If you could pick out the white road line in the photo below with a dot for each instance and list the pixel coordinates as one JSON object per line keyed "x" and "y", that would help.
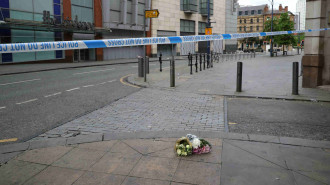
{"x": 89, "y": 86}
{"x": 73, "y": 89}
{"x": 112, "y": 81}
{"x": 2, "y": 107}
{"x": 27, "y": 101}
{"x": 20, "y": 82}
{"x": 101, "y": 83}
{"x": 92, "y": 71}
{"x": 53, "y": 94}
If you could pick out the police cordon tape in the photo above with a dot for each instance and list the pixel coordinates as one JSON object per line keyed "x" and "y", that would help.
{"x": 108, "y": 43}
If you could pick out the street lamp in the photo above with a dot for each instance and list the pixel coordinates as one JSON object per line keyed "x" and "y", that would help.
{"x": 271, "y": 38}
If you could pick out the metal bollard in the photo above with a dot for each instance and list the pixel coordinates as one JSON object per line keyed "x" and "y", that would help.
{"x": 212, "y": 57}
{"x": 295, "y": 80}
{"x": 147, "y": 64}
{"x": 200, "y": 62}
{"x": 172, "y": 73}
{"x": 190, "y": 63}
{"x": 196, "y": 64}
{"x": 254, "y": 54}
{"x": 204, "y": 61}
{"x": 239, "y": 77}
{"x": 140, "y": 67}
{"x": 189, "y": 59}
{"x": 160, "y": 62}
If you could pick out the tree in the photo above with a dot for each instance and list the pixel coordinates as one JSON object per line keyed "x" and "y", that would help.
{"x": 282, "y": 24}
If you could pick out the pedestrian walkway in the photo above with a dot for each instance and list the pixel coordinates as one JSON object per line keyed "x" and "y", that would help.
{"x": 263, "y": 77}
{"x": 234, "y": 159}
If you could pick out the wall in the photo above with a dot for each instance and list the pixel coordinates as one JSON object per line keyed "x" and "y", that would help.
{"x": 170, "y": 15}
{"x": 231, "y": 25}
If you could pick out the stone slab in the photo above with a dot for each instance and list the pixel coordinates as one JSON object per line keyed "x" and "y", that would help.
{"x": 155, "y": 168}
{"x": 45, "y": 155}
{"x": 263, "y": 138}
{"x": 17, "y": 172}
{"x": 6, "y": 157}
{"x": 16, "y": 147}
{"x": 47, "y": 143}
{"x": 56, "y": 175}
{"x": 143, "y": 181}
{"x": 304, "y": 142}
{"x": 79, "y": 158}
{"x": 197, "y": 173}
{"x": 99, "y": 179}
{"x": 85, "y": 139}
{"x": 102, "y": 145}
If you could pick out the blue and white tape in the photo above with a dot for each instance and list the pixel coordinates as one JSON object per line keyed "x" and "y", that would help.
{"x": 87, "y": 44}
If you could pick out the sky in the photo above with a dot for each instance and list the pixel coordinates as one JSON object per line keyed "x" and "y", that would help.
{"x": 290, "y": 3}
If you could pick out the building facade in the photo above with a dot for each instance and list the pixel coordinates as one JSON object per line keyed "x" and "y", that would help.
{"x": 316, "y": 61}
{"x": 253, "y": 18}
{"x": 24, "y": 21}
{"x": 231, "y": 24}
{"x": 301, "y": 10}
{"x": 250, "y": 19}
{"x": 183, "y": 18}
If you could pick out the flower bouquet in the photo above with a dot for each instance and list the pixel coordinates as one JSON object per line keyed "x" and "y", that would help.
{"x": 183, "y": 147}
{"x": 191, "y": 144}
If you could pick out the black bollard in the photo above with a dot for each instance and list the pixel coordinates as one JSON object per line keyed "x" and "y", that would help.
{"x": 189, "y": 58}
{"x": 204, "y": 61}
{"x": 239, "y": 77}
{"x": 190, "y": 63}
{"x": 160, "y": 62}
{"x": 212, "y": 57}
{"x": 200, "y": 62}
{"x": 295, "y": 85}
{"x": 196, "y": 64}
{"x": 172, "y": 73}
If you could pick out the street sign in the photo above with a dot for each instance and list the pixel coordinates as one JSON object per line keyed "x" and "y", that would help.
{"x": 152, "y": 13}
{"x": 208, "y": 31}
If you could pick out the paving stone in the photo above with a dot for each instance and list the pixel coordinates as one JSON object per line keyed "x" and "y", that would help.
{"x": 163, "y": 110}
{"x": 44, "y": 155}
{"x": 305, "y": 142}
{"x": 143, "y": 181}
{"x": 99, "y": 179}
{"x": 145, "y": 146}
{"x": 79, "y": 158}
{"x": 17, "y": 172}
{"x": 306, "y": 159}
{"x": 235, "y": 155}
{"x": 6, "y": 157}
{"x": 197, "y": 173}
{"x": 155, "y": 168}
{"x": 214, "y": 142}
{"x": 85, "y": 139}
{"x": 56, "y": 176}
{"x": 103, "y": 145}
{"x": 261, "y": 138}
{"x": 303, "y": 179}
{"x": 233, "y": 174}
{"x": 16, "y": 147}
{"x": 116, "y": 163}
{"x": 47, "y": 143}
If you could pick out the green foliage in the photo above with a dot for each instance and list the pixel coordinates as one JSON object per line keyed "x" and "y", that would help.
{"x": 282, "y": 24}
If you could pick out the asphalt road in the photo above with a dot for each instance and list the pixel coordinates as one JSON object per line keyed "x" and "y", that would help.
{"x": 33, "y": 103}
{"x": 308, "y": 120}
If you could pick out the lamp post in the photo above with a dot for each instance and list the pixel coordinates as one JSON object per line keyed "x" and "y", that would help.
{"x": 299, "y": 33}
{"x": 271, "y": 40}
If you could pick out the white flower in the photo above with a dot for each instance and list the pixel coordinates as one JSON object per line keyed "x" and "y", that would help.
{"x": 178, "y": 151}
{"x": 196, "y": 143}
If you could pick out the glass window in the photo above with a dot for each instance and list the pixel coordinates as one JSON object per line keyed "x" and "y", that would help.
{"x": 244, "y": 20}
{"x": 257, "y": 19}
{"x": 246, "y": 12}
{"x": 240, "y": 13}
{"x": 201, "y": 27}
{"x": 203, "y": 7}
{"x": 240, "y": 21}
{"x": 187, "y": 26}
{"x": 244, "y": 28}
{"x": 189, "y": 5}
{"x": 240, "y": 28}
{"x": 252, "y": 12}
{"x": 251, "y": 21}
{"x": 251, "y": 28}
{"x": 83, "y": 9}
{"x": 257, "y": 28}
{"x": 259, "y": 11}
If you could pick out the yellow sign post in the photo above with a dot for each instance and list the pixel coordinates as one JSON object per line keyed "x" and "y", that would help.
{"x": 208, "y": 31}
{"x": 152, "y": 13}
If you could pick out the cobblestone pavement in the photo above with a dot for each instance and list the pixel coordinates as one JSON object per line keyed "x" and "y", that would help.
{"x": 149, "y": 110}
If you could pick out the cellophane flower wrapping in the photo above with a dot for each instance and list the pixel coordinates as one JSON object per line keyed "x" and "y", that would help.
{"x": 183, "y": 147}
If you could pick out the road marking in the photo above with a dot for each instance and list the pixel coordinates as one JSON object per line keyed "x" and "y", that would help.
{"x": 232, "y": 123}
{"x": 112, "y": 81}
{"x": 53, "y": 94}
{"x": 101, "y": 83}
{"x": 27, "y": 101}
{"x": 92, "y": 71}
{"x": 125, "y": 83}
{"x": 2, "y": 107}
{"x": 88, "y": 85}
{"x": 73, "y": 89}
{"x": 20, "y": 82}
{"x": 8, "y": 140}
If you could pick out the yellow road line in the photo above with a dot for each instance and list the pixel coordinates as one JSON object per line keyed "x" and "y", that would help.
{"x": 8, "y": 140}
{"x": 125, "y": 83}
